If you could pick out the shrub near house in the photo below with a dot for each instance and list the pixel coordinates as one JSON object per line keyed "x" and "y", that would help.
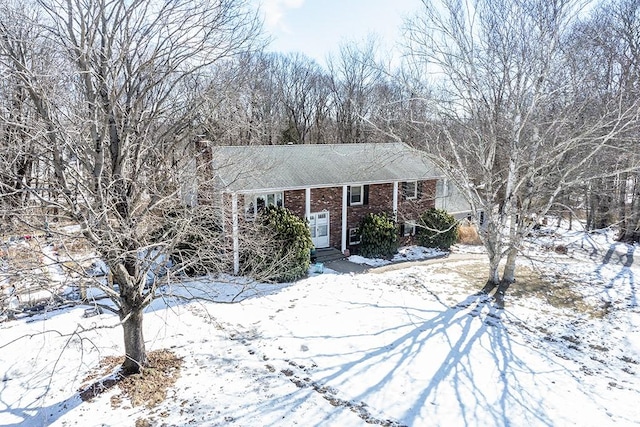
{"x": 378, "y": 236}
{"x": 437, "y": 229}
{"x": 291, "y": 244}
{"x": 199, "y": 239}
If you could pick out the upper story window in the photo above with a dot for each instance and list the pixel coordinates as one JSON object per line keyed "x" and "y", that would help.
{"x": 410, "y": 190}
{"x": 356, "y": 196}
{"x": 255, "y": 203}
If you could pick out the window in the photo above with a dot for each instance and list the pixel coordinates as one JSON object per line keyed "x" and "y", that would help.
{"x": 410, "y": 190}
{"x": 354, "y": 237}
{"x": 257, "y": 202}
{"x": 409, "y": 228}
{"x": 356, "y": 195}
{"x": 442, "y": 188}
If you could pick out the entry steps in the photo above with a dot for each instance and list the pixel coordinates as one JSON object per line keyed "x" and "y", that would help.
{"x": 327, "y": 255}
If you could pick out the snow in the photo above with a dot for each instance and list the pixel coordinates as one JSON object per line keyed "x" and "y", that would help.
{"x": 413, "y": 345}
{"x": 405, "y": 253}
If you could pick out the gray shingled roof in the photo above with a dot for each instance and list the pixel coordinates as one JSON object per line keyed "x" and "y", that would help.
{"x": 279, "y": 167}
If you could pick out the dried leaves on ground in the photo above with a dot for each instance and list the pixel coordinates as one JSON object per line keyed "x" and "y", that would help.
{"x": 149, "y": 388}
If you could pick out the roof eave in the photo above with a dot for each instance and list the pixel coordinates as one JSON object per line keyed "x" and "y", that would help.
{"x": 327, "y": 185}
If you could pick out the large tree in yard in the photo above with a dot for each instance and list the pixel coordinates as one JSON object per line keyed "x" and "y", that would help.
{"x": 114, "y": 102}
{"x": 508, "y": 124}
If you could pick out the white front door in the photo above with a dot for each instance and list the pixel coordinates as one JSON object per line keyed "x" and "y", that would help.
{"x": 319, "y": 225}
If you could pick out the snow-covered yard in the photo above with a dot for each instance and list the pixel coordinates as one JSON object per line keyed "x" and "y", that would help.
{"x": 414, "y": 346}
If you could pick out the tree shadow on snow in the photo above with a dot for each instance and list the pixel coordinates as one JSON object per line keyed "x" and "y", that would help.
{"x": 39, "y": 415}
{"x": 625, "y": 260}
{"x": 193, "y": 291}
{"x": 470, "y": 327}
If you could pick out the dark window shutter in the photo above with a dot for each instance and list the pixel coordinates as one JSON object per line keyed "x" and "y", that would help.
{"x": 404, "y": 190}
{"x": 419, "y": 189}
{"x": 348, "y": 196}
{"x": 365, "y": 197}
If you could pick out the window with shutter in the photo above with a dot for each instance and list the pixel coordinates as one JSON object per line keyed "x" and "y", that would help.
{"x": 410, "y": 190}
{"x": 356, "y": 195}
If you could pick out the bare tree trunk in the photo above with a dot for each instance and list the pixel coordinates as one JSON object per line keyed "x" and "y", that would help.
{"x": 589, "y": 207}
{"x": 630, "y": 230}
{"x": 491, "y": 239}
{"x": 501, "y": 292}
{"x": 605, "y": 207}
{"x": 508, "y": 277}
{"x": 494, "y": 276}
{"x": 509, "y": 272}
{"x": 135, "y": 351}
{"x": 621, "y": 199}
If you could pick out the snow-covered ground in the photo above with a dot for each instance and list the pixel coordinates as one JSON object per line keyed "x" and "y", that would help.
{"x": 406, "y": 253}
{"x": 414, "y": 346}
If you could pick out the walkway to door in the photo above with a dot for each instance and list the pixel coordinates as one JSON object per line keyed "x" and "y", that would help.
{"x": 346, "y": 267}
{"x": 334, "y": 260}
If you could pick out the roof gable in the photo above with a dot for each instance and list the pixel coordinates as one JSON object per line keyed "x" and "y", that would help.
{"x": 284, "y": 167}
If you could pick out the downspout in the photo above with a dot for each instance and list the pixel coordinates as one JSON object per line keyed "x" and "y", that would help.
{"x": 344, "y": 219}
{"x": 395, "y": 201}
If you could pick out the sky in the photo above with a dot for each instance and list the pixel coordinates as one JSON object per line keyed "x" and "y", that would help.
{"x": 318, "y": 27}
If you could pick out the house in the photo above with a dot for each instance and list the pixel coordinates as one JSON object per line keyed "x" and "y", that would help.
{"x": 333, "y": 186}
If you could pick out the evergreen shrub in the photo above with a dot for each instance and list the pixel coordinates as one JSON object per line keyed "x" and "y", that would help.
{"x": 285, "y": 255}
{"x": 437, "y": 229}
{"x": 378, "y": 236}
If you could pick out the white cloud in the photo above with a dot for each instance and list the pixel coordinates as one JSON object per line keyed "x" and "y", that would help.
{"x": 274, "y": 11}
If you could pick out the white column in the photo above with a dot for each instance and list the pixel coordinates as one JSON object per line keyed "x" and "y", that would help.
{"x": 344, "y": 218}
{"x": 307, "y": 202}
{"x": 236, "y": 243}
{"x": 395, "y": 201}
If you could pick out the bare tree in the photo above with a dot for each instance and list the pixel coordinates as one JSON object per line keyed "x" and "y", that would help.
{"x": 611, "y": 35}
{"x": 19, "y": 121}
{"x": 244, "y": 107}
{"x": 17, "y": 147}
{"x": 116, "y": 109}
{"x": 303, "y": 91}
{"x": 510, "y": 128}
{"x": 354, "y": 77}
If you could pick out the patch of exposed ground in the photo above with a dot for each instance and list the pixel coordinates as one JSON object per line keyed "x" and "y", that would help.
{"x": 559, "y": 292}
{"x": 149, "y": 388}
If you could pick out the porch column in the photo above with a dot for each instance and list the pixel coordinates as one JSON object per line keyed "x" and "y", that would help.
{"x": 236, "y": 243}
{"x": 395, "y": 201}
{"x": 307, "y": 202}
{"x": 344, "y": 218}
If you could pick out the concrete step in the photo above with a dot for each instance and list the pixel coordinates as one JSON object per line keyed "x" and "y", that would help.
{"x": 328, "y": 255}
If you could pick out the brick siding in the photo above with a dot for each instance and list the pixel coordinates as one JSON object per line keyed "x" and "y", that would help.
{"x": 380, "y": 200}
